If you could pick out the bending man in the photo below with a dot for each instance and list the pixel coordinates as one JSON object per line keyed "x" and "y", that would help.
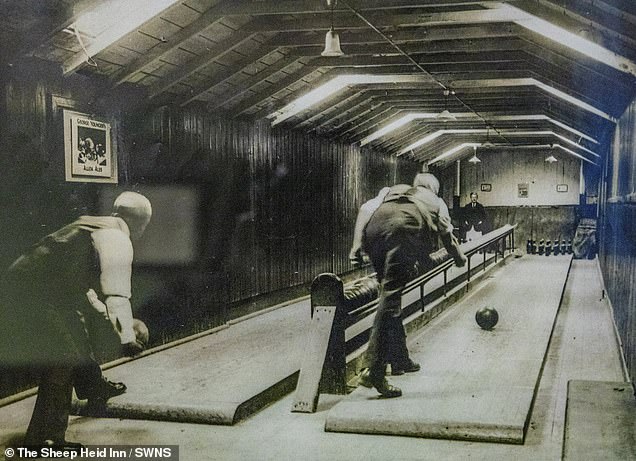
{"x": 399, "y": 237}
{"x": 50, "y": 294}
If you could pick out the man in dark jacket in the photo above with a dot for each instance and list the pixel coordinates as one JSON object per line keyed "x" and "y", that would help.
{"x": 51, "y": 294}
{"x": 399, "y": 237}
{"x": 474, "y": 217}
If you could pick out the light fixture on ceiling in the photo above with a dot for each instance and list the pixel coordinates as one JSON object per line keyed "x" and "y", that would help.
{"x": 488, "y": 143}
{"x": 474, "y": 159}
{"x": 551, "y": 159}
{"x": 445, "y": 115}
{"x": 332, "y": 40}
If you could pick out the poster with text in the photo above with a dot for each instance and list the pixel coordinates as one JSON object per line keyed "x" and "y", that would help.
{"x": 89, "y": 153}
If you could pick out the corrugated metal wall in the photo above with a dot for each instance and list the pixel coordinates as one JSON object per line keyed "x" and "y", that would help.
{"x": 617, "y": 253}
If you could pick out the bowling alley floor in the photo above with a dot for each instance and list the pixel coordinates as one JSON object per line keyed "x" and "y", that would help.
{"x": 583, "y": 347}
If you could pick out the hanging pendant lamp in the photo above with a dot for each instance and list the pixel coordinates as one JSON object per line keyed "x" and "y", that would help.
{"x": 332, "y": 44}
{"x": 474, "y": 159}
{"x": 332, "y": 40}
{"x": 445, "y": 115}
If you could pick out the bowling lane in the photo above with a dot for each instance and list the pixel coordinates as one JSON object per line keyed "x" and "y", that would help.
{"x": 474, "y": 384}
{"x": 217, "y": 378}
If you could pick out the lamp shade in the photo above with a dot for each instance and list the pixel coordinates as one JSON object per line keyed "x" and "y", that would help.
{"x": 474, "y": 159}
{"x": 446, "y": 116}
{"x": 551, "y": 159}
{"x": 332, "y": 44}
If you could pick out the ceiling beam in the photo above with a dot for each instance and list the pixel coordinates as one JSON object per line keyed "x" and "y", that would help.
{"x": 576, "y": 18}
{"x": 337, "y": 84}
{"x": 451, "y": 46}
{"x": 357, "y": 54}
{"x": 460, "y": 150}
{"x": 209, "y": 17}
{"x": 520, "y": 104}
{"x": 341, "y": 106}
{"x": 404, "y": 136}
{"x": 224, "y": 74}
{"x": 503, "y": 133}
{"x": 266, "y": 93}
{"x": 422, "y": 59}
{"x": 214, "y": 52}
{"x": 566, "y": 38}
{"x": 467, "y": 87}
{"x": 286, "y": 7}
{"x": 138, "y": 15}
{"x": 425, "y": 35}
{"x": 500, "y": 83}
{"x": 625, "y": 11}
{"x": 373, "y": 117}
{"x": 390, "y": 129}
{"x": 344, "y": 20}
{"x": 293, "y": 80}
{"x": 246, "y": 85}
{"x": 329, "y": 126}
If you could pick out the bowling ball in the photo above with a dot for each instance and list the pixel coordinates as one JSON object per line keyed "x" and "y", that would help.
{"x": 141, "y": 332}
{"x": 487, "y": 318}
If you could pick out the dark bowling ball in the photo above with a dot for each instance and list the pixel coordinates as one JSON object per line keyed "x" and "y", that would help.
{"x": 487, "y": 318}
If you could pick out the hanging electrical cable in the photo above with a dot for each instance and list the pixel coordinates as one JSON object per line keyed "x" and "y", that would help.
{"x": 89, "y": 59}
{"x": 419, "y": 66}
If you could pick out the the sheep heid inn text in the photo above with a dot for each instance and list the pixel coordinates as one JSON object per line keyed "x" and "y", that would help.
{"x": 146, "y": 453}
{"x": 91, "y": 147}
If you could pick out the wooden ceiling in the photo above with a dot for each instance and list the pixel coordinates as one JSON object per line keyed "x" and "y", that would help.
{"x": 514, "y": 72}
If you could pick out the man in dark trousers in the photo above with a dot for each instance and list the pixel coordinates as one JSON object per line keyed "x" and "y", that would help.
{"x": 474, "y": 217}
{"x": 53, "y": 293}
{"x": 399, "y": 237}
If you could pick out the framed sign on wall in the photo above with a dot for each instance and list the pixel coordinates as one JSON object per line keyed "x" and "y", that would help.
{"x": 486, "y": 187}
{"x": 562, "y": 187}
{"x": 522, "y": 190}
{"x": 88, "y": 148}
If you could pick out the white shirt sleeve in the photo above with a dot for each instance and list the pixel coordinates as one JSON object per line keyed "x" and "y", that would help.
{"x": 115, "y": 253}
{"x": 445, "y": 223}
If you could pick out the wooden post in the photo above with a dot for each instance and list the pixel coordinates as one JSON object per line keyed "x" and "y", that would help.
{"x": 323, "y": 368}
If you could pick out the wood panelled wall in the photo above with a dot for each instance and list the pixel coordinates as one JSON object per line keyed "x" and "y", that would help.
{"x": 280, "y": 204}
{"x": 504, "y": 171}
{"x": 277, "y": 206}
{"x": 34, "y": 197}
{"x": 617, "y": 251}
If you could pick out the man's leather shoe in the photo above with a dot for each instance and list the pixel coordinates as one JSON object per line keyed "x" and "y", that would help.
{"x": 112, "y": 389}
{"x": 380, "y": 384}
{"x": 63, "y": 445}
{"x": 103, "y": 390}
{"x": 408, "y": 367}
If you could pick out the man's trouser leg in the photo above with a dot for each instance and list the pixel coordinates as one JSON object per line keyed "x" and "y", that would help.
{"x": 387, "y": 334}
{"x": 397, "y": 352}
{"x": 66, "y": 336}
{"x": 49, "y": 420}
{"x": 87, "y": 379}
{"x": 377, "y": 343}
